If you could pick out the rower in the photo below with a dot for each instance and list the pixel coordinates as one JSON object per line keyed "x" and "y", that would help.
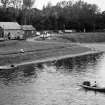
{"x": 87, "y": 83}
{"x": 95, "y": 84}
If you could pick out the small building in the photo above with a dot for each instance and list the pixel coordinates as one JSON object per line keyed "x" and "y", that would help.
{"x": 70, "y": 31}
{"x": 10, "y": 30}
{"x": 28, "y": 31}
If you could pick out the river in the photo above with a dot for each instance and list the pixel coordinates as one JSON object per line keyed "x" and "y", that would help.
{"x": 54, "y": 83}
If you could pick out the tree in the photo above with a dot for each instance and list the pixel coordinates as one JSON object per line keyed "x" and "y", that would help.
{"x": 28, "y": 3}
{"x": 5, "y": 3}
{"x": 64, "y": 4}
{"x": 13, "y": 3}
{"x": 16, "y": 3}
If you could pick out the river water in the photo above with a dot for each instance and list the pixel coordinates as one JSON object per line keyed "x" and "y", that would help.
{"x": 54, "y": 83}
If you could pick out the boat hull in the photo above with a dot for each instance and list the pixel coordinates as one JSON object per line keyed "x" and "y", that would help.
{"x": 98, "y": 89}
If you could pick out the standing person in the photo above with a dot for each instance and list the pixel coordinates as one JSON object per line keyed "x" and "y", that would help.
{"x": 9, "y": 36}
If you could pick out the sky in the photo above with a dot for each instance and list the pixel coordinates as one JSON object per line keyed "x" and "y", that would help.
{"x": 100, "y": 3}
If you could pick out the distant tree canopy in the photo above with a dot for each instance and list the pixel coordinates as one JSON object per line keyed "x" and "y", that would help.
{"x": 77, "y": 15}
{"x": 28, "y": 3}
{"x": 5, "y": 3}
{"x": 14, "y": 3}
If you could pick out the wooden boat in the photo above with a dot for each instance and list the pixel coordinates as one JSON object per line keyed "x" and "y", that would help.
{"x": 93, "y": 88}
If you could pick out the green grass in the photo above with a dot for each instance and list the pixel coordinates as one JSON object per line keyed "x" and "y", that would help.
{"x": 84, "y": 37}
{"x": 10, "y": 51}
{"x": 38, "y": 50}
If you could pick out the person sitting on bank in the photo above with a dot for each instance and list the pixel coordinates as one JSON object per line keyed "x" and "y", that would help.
{"x": 21, "y": 51}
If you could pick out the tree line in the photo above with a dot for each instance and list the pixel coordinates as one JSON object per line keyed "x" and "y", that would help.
{"x": 78, "y": 15}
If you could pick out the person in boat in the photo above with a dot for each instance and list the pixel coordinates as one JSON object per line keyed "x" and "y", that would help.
{"x": 95, "y": 84}
{"x": 87, "y": 83}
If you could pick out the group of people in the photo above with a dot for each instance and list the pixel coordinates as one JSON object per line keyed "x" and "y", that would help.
{"x": 87, "y": 83}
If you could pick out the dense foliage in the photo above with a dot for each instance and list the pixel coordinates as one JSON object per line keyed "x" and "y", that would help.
{"x": 65, "y": 15}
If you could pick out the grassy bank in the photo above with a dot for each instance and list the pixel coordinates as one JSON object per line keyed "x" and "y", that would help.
{"x": 54, "y": 48}
{"x": 83, "y": 37}
{"x": 10, "y": 51}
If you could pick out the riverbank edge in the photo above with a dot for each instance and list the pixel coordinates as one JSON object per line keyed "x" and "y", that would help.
{"x": 53, "y": 59}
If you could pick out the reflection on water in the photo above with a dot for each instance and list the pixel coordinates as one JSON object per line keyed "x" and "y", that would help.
{"x": 100, "y": 76}
{"x": 53, "y": 83}
{"x": 19, "y": 75}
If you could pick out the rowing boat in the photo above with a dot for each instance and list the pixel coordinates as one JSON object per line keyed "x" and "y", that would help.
{"x": 92, "y": 88}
